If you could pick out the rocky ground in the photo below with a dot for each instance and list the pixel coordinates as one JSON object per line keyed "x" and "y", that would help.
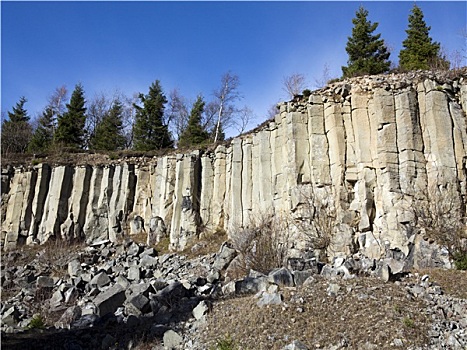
{"x": 130, "y": 296}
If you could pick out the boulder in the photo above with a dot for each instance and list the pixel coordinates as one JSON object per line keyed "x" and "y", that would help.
{"x": 281, "y": 277}
{"x": 109, "y": 300}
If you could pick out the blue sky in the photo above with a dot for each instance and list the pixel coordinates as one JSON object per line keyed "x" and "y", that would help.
{"x": 189, "y": 45}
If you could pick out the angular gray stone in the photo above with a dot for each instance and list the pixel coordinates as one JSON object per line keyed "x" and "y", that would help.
{"x": 100, "y": 280}
{"x": 301, "y": 276}
{"x": 44, "y": 282}
{"x": 134, "y": 249}
{"x": 134, "y": 273}
{"x": 148, "y": 261}
{"x": 224, "y": 257}
{"x": 109, "y": 300}
{"x": 281, "y": 277}
{"x": 11, "y": 316}
{"x": 200, "y": 310}
{"x": 172, "y": 340}
{"x": 71, "y": 315}
{"x": 269, "y": 299}
{"x": 138, "y": 305}
{"x": 74, "y": 268}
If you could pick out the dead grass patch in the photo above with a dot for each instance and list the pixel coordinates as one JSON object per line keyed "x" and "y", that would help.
{"x": 452, "y": 282}
{"x": 365, "y": 310}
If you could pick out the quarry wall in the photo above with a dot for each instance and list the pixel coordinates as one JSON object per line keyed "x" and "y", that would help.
{"x": 367, "y": 146}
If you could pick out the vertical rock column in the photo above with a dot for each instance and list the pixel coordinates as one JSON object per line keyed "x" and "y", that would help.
{"x": 72, "y": 228}
{"x": 144, "y": 194}
{"x": 207, "y": 192}
{"x": 319, "y": 147}
{"x": 412, "y": 164}
{"x": 164, "y": 187}
{"x": 41, "y": 191}
{"x": 97, "y": 221}
{"x": 235, "y": 206}
{"x": 56, "y": 203}
{"x": 121, "y": 200}
{"x": 185, "y": 218}
{"x": 17, "y": 213}
{"x": 437, "y": 129}
{"x": 247, "y": 179}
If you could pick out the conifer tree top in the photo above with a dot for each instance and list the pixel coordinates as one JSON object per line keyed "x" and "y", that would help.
{"x": 419, "y": 49}
{"x": 367, "y": 52}
{"x": 19, "y": 113}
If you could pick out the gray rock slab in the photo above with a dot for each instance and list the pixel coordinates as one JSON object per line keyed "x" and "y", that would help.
{"x": 109, "y": 300}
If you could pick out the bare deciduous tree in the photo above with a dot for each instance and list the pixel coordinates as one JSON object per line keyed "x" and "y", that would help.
{"x": 225, "y": 96}
{"x": 244, "y": 116}
{"x": 294, "y": 84}
{"x": 57, "y": 102}
{"x": 97, "y": 108}
{"x": 325, "y": 77}
{"x": 177, "y": 114}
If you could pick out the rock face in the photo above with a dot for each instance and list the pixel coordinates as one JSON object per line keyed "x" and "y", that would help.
{"x": 369, "y": 147}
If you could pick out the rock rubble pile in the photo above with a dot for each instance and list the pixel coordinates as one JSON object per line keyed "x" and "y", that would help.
{"x": 114, "y": 296}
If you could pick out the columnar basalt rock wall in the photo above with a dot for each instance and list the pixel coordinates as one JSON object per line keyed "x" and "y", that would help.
{"x": 369, "y": 145}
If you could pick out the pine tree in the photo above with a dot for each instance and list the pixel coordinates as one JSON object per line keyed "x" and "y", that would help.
{"x": 149, "y": 130}
{"x": 109, "y": 132}
{"x": 43, "y": 135}
{"x": 420, "y": 52}
{"x": 367, "y": 52}
{"x": 194, "y": 133}
{"x": 16, "y": 130}
{"x": 70, "y": 131}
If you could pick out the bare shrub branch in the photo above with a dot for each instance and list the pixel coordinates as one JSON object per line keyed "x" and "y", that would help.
{"x": 315, "y": 218}
{"x": 440, "y": 213}
{"x": 263, "y": 245}
{"x": 294, "y": 84}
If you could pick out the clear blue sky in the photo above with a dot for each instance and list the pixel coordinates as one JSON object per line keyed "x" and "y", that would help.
{"x": 189, "y": 45}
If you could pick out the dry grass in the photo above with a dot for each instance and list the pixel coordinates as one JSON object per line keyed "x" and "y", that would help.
{"x": 209, "y": 243}
{"x": 452, "y": 282}
{"x": 365, "y": 310}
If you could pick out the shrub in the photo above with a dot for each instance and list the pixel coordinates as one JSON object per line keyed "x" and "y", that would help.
{"x": 440, "y": 213}
{"x": 408, "y": 322}
{"x": 37, "y": 322}
{"x": 263, "y": 244}
{"x": 226, "y": 343}
{"x": 460, "y": 260}
{"x": 315, "y": 219}
{"x": 306, "y": 93}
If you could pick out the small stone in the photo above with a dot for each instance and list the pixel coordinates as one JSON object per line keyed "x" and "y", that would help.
{"x": 270, "y": 299}
{"x": 172, "y": 340}
{"x": 200, "y": 310}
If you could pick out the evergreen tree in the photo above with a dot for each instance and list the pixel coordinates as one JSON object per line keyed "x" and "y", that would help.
{"x": 149, "y": 130}
{"x": 194, "y": 133}
{"x": 70, "y": 131}
{"x": 43, "y": 135}
{"x": 420, "y": 52}
{"x": 367, "y": 52}
{"x": 16, "y": 130}
{"x": 109, "y": 131}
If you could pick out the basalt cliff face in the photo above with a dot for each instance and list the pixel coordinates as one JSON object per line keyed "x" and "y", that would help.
{"x": 368, "y": 148}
